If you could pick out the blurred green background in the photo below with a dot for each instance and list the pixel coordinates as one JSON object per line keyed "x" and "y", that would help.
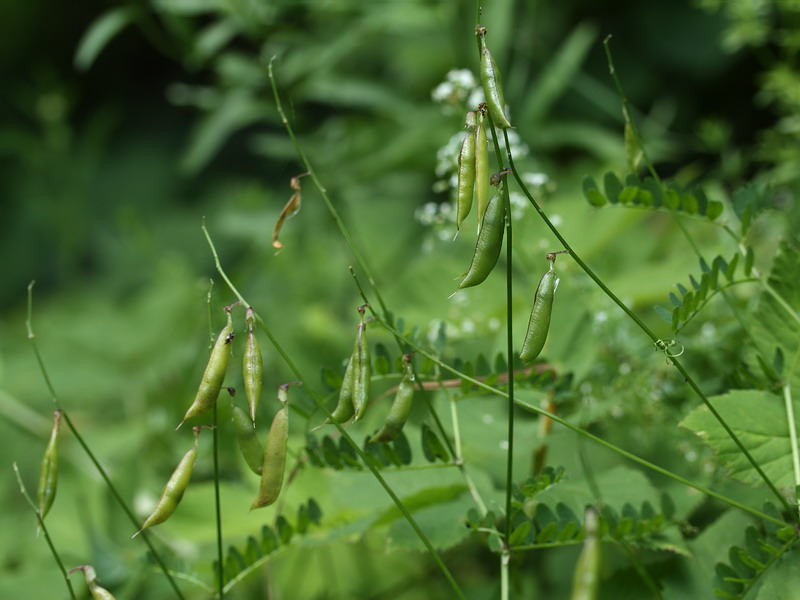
{"x": 124, "y": 125}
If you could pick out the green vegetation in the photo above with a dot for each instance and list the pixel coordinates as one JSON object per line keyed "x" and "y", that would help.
{"x": 161, "y": 161}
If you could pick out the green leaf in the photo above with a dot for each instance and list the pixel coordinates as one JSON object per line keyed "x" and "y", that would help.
{"x": 432, "y": 446}
{"x": 285, "y": 529}
{"x": 664, "y": 313}
{"x": 776, "y": 323}
{"x": 628, "y": 194}
{"x": 402, "y": 448}
{"x": 689, "y": 204}
{"x": 714, "y": 209}
{"x": 748, "y": 261}
{"x": 591, "y": 192}
{"x": 731, "y": 270}
{"x": 102, "y": 31}
{"x": 519, "y": 534}
{"x": 269, "y": 541}
{"x": 612, "y": 186}
{"x": 759, "y": 421}
{"x": 381, "y": 360}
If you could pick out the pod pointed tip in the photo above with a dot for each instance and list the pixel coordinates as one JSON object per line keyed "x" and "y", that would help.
{"x": 137, "y": 533}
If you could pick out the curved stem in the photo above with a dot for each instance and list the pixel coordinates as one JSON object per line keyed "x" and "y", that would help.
{"x": 678, "y": 365}
{"x": 218, "y": 505}
{"x": 106, "y": 479}
{"x": 47, "y": 537}
{"x": 319, "y": 400}
{"x": 323, "y": 192}
{"x": 594, "y": 438}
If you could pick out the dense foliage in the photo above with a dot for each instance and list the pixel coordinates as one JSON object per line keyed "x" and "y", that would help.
{"x": 654, "y": 437}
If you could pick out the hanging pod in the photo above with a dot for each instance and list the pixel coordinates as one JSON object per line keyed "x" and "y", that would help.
{"x": 48, "y": 471}
{"x": 539, "y": 322}
{"x": 247, "y": 440}
{"x": 252, "y": 366}
{"x": 173, "y": 492}
{"x": 586, "y": 578}
{"x": 398, "y": 413}
{"x": 489, "y": 244}
{"x": 362, "y": 370}
{"x": 344, "y": 407}
{"x": 97, "y": 592}
{"x": 211, "y": 383}
{"x": 482, "y": 177}
{"x": 273, "y": 462}
{"x": 492, "y": 84}
{"x": 466, "y": 171}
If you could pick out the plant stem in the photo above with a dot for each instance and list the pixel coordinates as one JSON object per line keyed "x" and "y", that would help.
{"x": 673, "y": 359}
{"x": 458, "y": 458}
{"x": 594, "y": 438}
{"x": 319, "y": 400}
{"x": 128, "y": 512}
{"x": 47, "y": 537}
{"x": 323, "y": 192}
{"x": 217, "y": 503}
{"x": 787, "y": 399}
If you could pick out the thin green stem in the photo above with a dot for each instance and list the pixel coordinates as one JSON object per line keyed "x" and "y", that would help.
{"x": 626, "y": 112}
{"x": 505, "y": 561}
{"x": 594, "y": 438}
{"x": 217, "y": 504}
{"x": 47, "y": 537}
{"x": 651, "y": 167}
{"x": 106, "y": 479}
{"x": 458, "y": 458}
{"x": 323, "y": 192}
{"x": 787, "y": 399}
{"x": 674, "y": 359}
{"x": 319, "y": 400}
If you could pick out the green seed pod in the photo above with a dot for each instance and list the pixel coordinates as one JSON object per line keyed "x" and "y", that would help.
{"x": 362, "y": 370}
{"x": 492, "y": 84}
{"x": 344, "y": 408}
{"x": 489, "y": 244}
{"x": 97, "y": 592}
{"x": 252, "y": 367}
{"x": 48, "y": 471}
{"x": 214, "y": 373}
{"x": 539, "y": 322}
{"x": 273, "y": 463}
{"x": 401, "y": 406}
{"x": 586, "y": 579}
{"x": 482, "y": 177}
{"x": 173, "y": 491}
{"x": 466, "y": 172}
{"x": 247, "y": 439}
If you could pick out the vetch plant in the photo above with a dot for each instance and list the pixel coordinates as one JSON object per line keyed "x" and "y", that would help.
{"x": 566, "y": 446}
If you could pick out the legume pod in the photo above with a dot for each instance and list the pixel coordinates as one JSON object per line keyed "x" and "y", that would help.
{"x": 247, "y": 440}
{"x": 539, "y": 322}
{"x": 48, "y": 471}
{"x": 173, "y": 491}
{"x": 274, "y": 460}
{"x": 482, "y": 176}
{"x": 398, "y": 413}
{"x": 252, "y": 366}
{"x": 492, "y": 84}
{"x": 211, "y": 384}
{"x": 489, "y": 244}
{"x": 466, "y": 172}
